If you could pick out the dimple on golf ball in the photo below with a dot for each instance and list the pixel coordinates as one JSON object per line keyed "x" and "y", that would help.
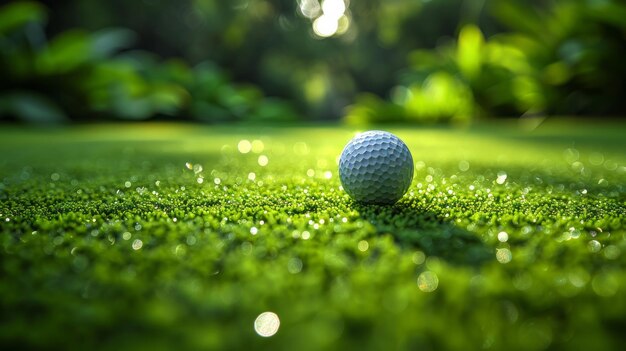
{"x": 376, "y": 167}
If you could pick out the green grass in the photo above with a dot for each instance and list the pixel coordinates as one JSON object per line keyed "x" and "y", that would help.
{"x": 160, "y": 237}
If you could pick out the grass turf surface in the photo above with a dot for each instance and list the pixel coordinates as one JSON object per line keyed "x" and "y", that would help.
{"x": 158, "y": 236}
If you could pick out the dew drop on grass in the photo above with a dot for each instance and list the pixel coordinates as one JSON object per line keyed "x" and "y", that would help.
{"x": 427, "y": 281}
{"x": 578, "y": 277}
{"x": 257, "y": 146}
{"x": 191, "y": 240}
{"x": 501, "y": 177}
{"x": 137, "y": 244}
{"x": 503, "y": 237}
{"x": 594, "y": 245}
{"x": 263, "y": 160}
{"x": 294, "y": 266}
{"x": 464, "y": 166}
{"x": 301, "y": 148}
{"x": 611, "y": 252}
{"x": 596, "y": 159}
{"x": 267, "y": 324}
{"x": 244, "y": 146}
{"x": 605, "y": 284}
{"x": 571, "y": 155}
{"x": 418, "y": 257}
{"x": 504, "y": 255}
{"x": 363, "y": 245}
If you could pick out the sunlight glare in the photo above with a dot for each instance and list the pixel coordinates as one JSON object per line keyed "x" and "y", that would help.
{"x": 325, "y": 26}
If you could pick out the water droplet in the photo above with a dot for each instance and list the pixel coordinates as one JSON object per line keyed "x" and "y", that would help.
{"x": 301, "y": 148}
{"x": 464, "y": 166}
{"x": 128, "y": 184}
{"x": 310, "y": 173}
{"x": 254, "y": 230}
{"x": 611, "y": 252}
{"x": 427, "y": 281}
{"x": 305, "y": 235}
{"x": 217, "y": 181}
{"x": 294, "y": 266}
{"x": 244, "y": 146}
{"x": 263, "y": 160}
{"x": 501, "y": 177}
{"x": 267, "y": 324}
{"x": 418, "y": 257}
{"x": 596, "y": 159}
{"x": 137, "y": 244}
{"x": 257, "y": 146}
{"x": 605, "y": 284}
{"x": 191, "y": 240}
{"x": 55, "y": 176}
{"x": 504, "y": 255}
{"x": 594, "y": 245}
{"x": 503, "y": 237}
{"x": 251, "y": 176}
{"x": 363, "y": 245}
{"x": 571, "y": 155}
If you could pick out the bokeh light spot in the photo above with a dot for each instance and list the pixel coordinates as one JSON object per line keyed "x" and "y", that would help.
{"x": 267, "y": 324}
{"x": 427, "y": 281}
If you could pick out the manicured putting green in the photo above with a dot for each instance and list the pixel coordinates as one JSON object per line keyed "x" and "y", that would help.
{"x": 163, "y": 236}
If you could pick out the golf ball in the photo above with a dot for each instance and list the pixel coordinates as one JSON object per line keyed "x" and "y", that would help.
{"x": 376, "y": 167}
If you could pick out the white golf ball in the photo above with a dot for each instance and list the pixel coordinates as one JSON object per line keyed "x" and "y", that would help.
{"x": 376, "y": 167}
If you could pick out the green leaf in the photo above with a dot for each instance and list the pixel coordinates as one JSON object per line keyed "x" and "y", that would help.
{"x": 65, "y": 53}
{"x": 107, "y": 42}
{"x": 31, "y": 107}
{"x": 469, "y": 52}
{"x": 18, "y": 14}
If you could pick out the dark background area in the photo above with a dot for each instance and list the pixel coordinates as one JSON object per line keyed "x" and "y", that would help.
{"x": 391, "y": 61}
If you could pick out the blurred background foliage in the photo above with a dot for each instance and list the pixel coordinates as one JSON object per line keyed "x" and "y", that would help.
{"x": 283, "y": 60}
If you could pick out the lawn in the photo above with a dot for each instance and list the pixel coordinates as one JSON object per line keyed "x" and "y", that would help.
{"x": 168, "y": 236}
